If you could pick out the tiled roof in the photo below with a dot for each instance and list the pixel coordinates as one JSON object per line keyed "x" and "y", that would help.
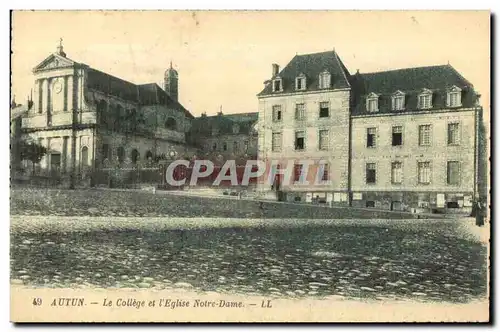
{"x": 411, "y": 81}
{"x": 311, "y": 65}
{"x": 144, "y": 94}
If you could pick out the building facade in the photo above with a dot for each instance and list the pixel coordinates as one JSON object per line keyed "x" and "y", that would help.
{"x": 227, "y": 136}
{"x": 88, "y": 119}
{"x": 408, "y": 139}
{"x": 304, "y": 115}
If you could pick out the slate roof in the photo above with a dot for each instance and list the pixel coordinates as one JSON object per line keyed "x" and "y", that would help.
{"x": 144, "y": 94}
{"x": 411, "y": 81}
{"x": 311, "y": 65}
{"x": 202, "y": 126}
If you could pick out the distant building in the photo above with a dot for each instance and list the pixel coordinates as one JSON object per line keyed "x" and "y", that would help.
{"x": 88, "y": 118}
{"x": 226, "y": 135}
{"x": 402, "y": 139}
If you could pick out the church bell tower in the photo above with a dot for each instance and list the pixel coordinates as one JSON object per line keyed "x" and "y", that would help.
{"x": 171, "y": 81}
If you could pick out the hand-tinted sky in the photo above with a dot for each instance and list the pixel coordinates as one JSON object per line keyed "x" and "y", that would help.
{"x": 223, "y": 58}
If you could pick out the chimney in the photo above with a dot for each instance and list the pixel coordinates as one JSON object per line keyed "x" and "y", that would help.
{"x": 204, "y": 114}
{"x": 276, "y": 69}
{"x": 357, "y": 71}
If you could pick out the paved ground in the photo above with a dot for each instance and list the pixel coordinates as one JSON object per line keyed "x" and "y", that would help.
{"x": 141, "y": 240}
{"x": 384, "y": 259}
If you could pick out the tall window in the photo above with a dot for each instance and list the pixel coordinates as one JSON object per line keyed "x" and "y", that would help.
{"x": 326, "y": 174}
{"x": 120, "y": 153}
{"x": 424, "y": 172}
{"x": 300, "y": 112}
{"x": 371, "y": 173}
{"x": 105, "y": 152}
{"x": 396, "y": 172}
{"x": 277, "y": 86}
{"x": 300, "y": 82}
{"x": 297, "y": 170}
{"x": 398, "y": 102}
{"x": 372, "y": 104}
{"x": 324, "y": 80}
{"x": 246, "y": 146}
{"x": 453, "y": 173}
{"x": 224, "y": 146}
{"x": 397, "y": 135}
{"x": 276, "y": 142}
{"x": 214, "y": 146}
{"x": 371, "y": 137}
{"x": 277, "y": 115}
{"x": 454, "y": 99}
{"x": 323, "y": 139}
{"x": 453, "y": 133}
{"x": 235, "y": 146}
{"x": 299, "y": 140}
{"x": 425, "y": 101}
{"x": 324, "y": 109}
{"x": 424, "y": 134}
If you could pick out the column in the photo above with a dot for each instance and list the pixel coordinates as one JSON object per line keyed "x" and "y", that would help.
{"x": 47, "y": 160}
{"x": 44, "y": 84}
{"x": 70, "y": 93}
{"x": 65, "y": 154}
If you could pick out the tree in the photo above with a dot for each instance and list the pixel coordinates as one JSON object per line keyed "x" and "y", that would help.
{"x": 32, "y": 151}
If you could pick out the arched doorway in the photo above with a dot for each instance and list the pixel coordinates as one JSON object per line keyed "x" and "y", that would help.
{"x": 134, "y": 156}
{"x": 120, "y": 153}
{"x": 148, "y": 156}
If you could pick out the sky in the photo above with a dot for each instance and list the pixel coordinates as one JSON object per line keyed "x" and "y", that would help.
{"x": 223, "y": 58}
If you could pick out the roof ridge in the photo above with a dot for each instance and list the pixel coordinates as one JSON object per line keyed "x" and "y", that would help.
{"x": 398, "y": 69}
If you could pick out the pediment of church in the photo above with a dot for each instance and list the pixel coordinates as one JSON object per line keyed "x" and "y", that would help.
{"x": 54, "y": 61}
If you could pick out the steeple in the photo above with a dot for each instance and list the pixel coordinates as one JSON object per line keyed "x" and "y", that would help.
{"x": 60, "y": 49}
{"x": 171, "y": 82}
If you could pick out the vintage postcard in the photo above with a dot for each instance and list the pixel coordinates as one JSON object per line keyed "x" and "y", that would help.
{"x": 250, "y": 166}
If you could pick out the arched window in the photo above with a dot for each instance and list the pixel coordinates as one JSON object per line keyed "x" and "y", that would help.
{"x": 85, "y": 156}
{"x": 134, "y": 156}
{"x": 171, "y": 124}
{"x": 102, "y": 108}
{"x": 105, "y": 152}
{"x": 149, "y": 155}
{"x": 120, "y": 153}
{"x": 119, "y": 117}
{"x": 110, "y": 117}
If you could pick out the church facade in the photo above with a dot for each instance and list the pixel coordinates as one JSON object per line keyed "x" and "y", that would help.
{"x": 89, "y": 119}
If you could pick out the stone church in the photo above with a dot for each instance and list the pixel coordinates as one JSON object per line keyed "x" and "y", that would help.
{"x": 88, "y": 119}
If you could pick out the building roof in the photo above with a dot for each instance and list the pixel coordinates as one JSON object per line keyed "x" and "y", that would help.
{"x": 144, "y": 94}
{"x": 311, "y": 65}
{"x": 223, "y": 123}
{"x": 410, "y": 81}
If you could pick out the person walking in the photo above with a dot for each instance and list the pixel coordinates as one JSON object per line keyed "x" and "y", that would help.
{"x": 480, "y": 212}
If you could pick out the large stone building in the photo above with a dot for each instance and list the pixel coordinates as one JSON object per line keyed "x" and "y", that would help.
{"x": 88, "y": 118}
{"x": 410, "y": 138}
{"x": 304, "y": 115}
{"x": 226, "y": 135}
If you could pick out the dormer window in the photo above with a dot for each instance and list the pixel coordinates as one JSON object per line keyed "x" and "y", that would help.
{"x": 454, "y": 97}
{"x": 236, "y": 129}
{"x": 425, "y": 99}
{"x": 372, "y": 102}
{"x": 398, "y": 101}
{"x": 325, "y": 80}
{"x": 300, "y": 82}
{"x": 277, "y": 84}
